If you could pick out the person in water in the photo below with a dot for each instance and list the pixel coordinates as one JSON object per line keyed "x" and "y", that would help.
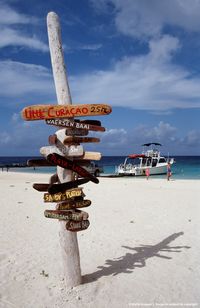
{"x": 169, "y": 171}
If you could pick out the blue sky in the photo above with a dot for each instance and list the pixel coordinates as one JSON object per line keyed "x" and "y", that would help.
{"x": 140, "y": 56}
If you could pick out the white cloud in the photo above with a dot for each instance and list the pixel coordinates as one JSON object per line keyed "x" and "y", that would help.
{"x": 20, "y": 80}
{"x": 115, "y": 141}
{"x": 11, "y": 33}
{"x": 192, "y": 139}
{"x": 5, "y": 138}
{"x": 149, "y": 81}
{"x": 86, "y": 47}
{"x": 10, "y": 16}
{"x": 10, "y": 37}
{"x": 144, "y": 18}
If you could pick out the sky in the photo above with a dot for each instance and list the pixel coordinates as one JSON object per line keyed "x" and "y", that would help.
{"x": 142, "y": 57}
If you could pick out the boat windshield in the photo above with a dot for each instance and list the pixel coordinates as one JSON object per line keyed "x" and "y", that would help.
{"x": 146, "y": 161}
{"x": 135, "y": 161}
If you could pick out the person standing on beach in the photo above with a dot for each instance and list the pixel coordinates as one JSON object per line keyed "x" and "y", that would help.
{"x": 169, "y": 171}
{"x": 147, "y": 172}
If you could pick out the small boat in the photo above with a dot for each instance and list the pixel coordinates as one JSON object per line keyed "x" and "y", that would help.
{"x": 149, "y": 159}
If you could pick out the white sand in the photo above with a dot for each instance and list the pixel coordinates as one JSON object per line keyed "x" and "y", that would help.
{"x": 142, "y": 247}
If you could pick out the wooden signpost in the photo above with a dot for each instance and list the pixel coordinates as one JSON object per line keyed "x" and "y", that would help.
{"x": 41, "y": 112}
{"x": 66, "y": 153}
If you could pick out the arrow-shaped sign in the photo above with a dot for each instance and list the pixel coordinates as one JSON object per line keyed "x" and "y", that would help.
{"x": 66, "y": 215}
{"x": 72, "y": 193}
{"x": 73, "y": 204}
{"x": 71, "y": 165}
{"x": 56, "y": 188}
{"x": 75, "y": 226}
{"x": 76, "y": 124}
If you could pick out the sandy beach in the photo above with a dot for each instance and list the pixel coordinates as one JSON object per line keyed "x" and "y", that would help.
{"x": 142, "y": 248}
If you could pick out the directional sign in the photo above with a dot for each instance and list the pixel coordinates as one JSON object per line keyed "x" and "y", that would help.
{"x": 77, "y": 226}
{"x": 41, "y": 187}
{"x": 76, "y": 124}
{"x": 71, "y": 151}
{"x": 71, "y": 165}
{"x": 66, "y": 215}
{"x": 76, "y": 132}
{"x": 73, "y": 204}
{"x": 74, "y": 139}
{"x": 76, "y": 192}
{"x": 56, "y": 188}
{"x": 40, "y": 112}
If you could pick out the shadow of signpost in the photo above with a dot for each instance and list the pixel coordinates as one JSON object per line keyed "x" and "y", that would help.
{"x": 129, "y": 261}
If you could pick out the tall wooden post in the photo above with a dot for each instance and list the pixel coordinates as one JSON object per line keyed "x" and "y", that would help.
{"x": 68, "y": 240}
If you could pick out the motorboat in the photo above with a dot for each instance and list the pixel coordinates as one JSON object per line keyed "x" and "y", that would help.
{"x": 149, "y": 159}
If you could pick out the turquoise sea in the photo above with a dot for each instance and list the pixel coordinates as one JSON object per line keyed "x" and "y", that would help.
{"x": 186, "y": 167}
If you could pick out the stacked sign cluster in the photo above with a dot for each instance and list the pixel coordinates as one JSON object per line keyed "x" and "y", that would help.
{"x": 66, "y": 151}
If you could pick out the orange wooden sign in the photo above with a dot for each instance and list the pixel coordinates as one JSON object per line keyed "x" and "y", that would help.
{"x": 41, "y": 112}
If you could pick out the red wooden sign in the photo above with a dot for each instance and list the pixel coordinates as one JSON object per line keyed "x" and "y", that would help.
{"x": 77, "y": 226}
{"x": 40, "y": 112}
{"x": 71, "y": 165}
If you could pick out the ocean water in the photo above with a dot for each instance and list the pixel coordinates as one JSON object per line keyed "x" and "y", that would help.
{"x": 186, "y": 167}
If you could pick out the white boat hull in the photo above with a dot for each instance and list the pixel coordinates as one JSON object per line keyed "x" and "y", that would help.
{"x": 140, "y": 171}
